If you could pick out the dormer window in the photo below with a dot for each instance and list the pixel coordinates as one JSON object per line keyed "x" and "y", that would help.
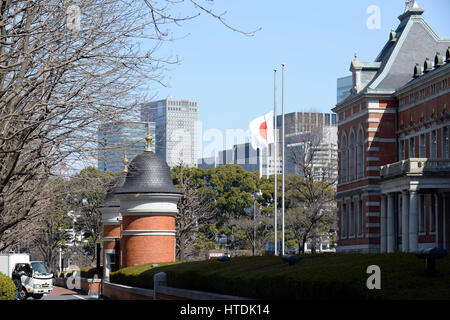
{"x": 438, "y": 60}
{"x": 427, "y": 66}
{"x": 417, "y": 71}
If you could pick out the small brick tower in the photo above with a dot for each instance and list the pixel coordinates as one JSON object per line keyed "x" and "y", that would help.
{"x": 148, "y": 205}
{"x": 112, "y": 220}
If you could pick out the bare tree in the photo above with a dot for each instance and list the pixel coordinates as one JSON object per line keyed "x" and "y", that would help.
{"x": 313, "y": 191}
{"x": 195, "y": 208}
{"x": 249, "y": 230}
{"x": 64, "y": 69}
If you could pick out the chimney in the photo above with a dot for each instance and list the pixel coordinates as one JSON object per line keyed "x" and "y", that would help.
{"x": 356, "y": 69}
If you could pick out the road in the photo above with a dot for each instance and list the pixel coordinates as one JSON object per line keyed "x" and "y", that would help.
{"x": 60, "y": 293}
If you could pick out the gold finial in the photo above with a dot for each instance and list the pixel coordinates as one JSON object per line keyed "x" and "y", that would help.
{"x": 125, "y": 162}
{"x": 149, "y": 138}
{"x": 407, "y": 5}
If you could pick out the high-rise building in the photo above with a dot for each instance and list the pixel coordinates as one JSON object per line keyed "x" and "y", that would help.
{"x": 344, "y": 85}
{"x": 176, "y": 129}
{"x": 116, "y": 138}
{"x": 315, "y": 131}
{"x": 394, "y": 158}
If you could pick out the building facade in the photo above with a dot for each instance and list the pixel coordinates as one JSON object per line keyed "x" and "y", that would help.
{"x": 394, "y": 168}
{"x": 176, "y": 124}
{"x": 117, "y": 138}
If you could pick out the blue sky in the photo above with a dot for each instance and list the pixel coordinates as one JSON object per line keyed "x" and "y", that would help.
{"x": 231, "y": 75}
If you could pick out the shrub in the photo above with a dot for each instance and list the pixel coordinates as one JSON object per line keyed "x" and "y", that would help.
{"x": 138, "y": 276}
{"x": 89, "y": 272}
{"x": 7, "y": 288}
{"x": 321, "y": 276}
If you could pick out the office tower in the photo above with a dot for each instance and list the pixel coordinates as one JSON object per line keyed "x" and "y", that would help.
{"x": 176, "y": 129}
{"x": 116, "y": 138}
{"x": 344, "y": 85}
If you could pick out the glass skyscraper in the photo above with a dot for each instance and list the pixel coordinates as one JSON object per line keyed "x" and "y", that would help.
{"x": 116, "y": 138}
{"x": 176, "y": 129}
{"x": 344, "y": 85}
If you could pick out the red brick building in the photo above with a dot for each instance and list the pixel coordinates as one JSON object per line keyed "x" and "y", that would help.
{"x": 139, "y": 214}
{"x": 393, "y": 135}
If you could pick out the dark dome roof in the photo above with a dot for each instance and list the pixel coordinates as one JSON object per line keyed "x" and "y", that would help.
{"x": 148, "y": 173}
{"x": 111, "y": 200}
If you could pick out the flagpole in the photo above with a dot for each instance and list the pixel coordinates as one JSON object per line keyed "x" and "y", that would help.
{"x": 275, "y": 154}
{"x": 260, "y": 161}
{"x": 282, "y": 157}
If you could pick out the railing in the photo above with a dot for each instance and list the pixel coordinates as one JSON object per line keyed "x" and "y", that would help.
{"x": 415, "y": 166}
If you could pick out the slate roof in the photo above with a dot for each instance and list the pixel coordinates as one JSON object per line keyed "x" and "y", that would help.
{"x": 416, "y": 41}
{"x": 148, "y": 173}
{"x": 111, "y": 200}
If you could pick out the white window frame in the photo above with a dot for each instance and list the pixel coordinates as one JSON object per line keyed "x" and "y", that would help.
{"x": 360, "y": 154}
{"x": 445, "y": 143}
{"x": 433, "y": 144}
{"x": 351, "y": 221}
{"x": 412, "y": 147}
{"x": 402, "y": 150}
{"x": 344, "y": 159}
{"x": 344, "y": 231}
{"x": 422, "y": 146}
{"x": 360, "y": 219}
{"x": 352, "y": 157}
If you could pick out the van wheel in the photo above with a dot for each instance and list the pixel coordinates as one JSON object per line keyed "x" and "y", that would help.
{"x": 23, "y": 295}
{"x": 37, "y": 296}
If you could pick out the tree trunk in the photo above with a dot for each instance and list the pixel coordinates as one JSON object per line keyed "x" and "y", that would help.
{"x": 181, "y": 248}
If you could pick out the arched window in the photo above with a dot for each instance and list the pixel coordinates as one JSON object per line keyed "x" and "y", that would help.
{"x": 360, "y": 153}
{"x": 352, "y": 156}
{"x": 344, "y": 155}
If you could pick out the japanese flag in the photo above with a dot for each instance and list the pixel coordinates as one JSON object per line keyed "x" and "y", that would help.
{"x": 261, "y": 131}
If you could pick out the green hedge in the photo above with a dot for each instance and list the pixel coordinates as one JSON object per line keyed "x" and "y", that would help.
{"x": 138, "y": 276}
{"x": 7, "y": 288}
{"x": 322, "y": 276}
{"x": 90, "y": 271}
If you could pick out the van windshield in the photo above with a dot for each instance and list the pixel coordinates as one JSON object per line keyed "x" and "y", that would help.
{"x": 40, "y": 268}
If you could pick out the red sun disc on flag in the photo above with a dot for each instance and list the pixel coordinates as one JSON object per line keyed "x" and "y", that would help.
{"x": 263, "y": 130}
